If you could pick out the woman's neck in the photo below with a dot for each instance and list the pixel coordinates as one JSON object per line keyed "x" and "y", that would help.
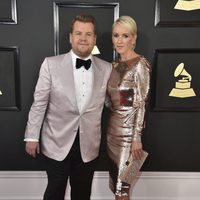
{"x": 128, "y": 56}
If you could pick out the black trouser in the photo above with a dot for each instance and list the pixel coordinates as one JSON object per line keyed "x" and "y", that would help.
{"x": 80, "y": 175}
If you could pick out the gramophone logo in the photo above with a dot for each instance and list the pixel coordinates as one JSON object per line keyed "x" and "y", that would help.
{"x": 187, "y": 5}
{"x": 183, "y": 85}
{"x": 95, "y": 50}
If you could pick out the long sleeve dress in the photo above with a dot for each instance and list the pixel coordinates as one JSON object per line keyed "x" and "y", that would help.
{"x": 127, "y": 90}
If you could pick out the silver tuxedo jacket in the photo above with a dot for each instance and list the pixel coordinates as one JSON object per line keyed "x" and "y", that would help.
{"x": 55, "y": 115}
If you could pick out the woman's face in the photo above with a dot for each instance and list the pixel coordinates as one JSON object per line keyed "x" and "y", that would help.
{"x": 123, "y": 40}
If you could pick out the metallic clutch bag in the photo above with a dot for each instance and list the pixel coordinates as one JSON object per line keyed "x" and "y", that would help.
{"x": 131, "y": 168}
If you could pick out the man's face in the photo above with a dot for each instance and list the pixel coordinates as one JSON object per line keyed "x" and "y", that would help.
{"x": 82, "y": 39}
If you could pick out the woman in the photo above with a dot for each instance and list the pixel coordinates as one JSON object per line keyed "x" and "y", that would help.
{"x": 127, "y": 90}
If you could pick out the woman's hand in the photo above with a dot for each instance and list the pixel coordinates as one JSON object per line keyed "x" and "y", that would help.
{"x": 137, "y": 150}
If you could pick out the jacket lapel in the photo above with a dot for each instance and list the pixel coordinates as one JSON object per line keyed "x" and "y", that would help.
{"x": 97, "y": 83}
{"x": 68, "y": 79}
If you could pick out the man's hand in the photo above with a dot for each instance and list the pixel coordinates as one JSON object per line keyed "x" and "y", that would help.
{"x": 32, "y": 148}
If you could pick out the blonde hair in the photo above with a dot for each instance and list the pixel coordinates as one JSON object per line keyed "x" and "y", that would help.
{"x": 128, "y": 22}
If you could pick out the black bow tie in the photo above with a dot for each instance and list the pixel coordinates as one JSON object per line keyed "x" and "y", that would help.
{"x": 85, "y": 63}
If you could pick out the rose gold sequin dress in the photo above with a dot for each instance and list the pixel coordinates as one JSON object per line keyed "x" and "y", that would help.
{"x": 128, "y": 89}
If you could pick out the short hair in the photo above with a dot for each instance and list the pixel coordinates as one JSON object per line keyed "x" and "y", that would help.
{"x": 128, "y": 22}
{"x": 85, "y": 18}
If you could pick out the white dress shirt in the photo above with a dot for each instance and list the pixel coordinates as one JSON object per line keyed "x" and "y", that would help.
{"x": 83, "y": 80}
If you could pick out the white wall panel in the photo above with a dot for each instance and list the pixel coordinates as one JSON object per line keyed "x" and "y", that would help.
{"x": 28, "y": 185}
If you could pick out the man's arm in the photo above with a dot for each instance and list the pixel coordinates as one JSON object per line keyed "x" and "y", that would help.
{"x": 37, "y": 111}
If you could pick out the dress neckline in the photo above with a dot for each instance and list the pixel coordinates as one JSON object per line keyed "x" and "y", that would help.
{"x": 130, "y": 60}
{"x": 129, "y": 63}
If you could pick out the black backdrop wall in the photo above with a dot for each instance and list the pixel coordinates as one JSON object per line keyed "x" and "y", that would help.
{"x": 30, "y": 33}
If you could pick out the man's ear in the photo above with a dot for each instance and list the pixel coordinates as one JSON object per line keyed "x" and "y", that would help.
{"x": 70, "y": 38}
{"x": 95, "y": 40}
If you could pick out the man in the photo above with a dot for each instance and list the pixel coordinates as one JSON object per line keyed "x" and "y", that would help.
{"x": 67, "y": 107}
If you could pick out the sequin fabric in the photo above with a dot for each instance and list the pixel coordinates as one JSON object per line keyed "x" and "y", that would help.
{"x": 127, "y": 94}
